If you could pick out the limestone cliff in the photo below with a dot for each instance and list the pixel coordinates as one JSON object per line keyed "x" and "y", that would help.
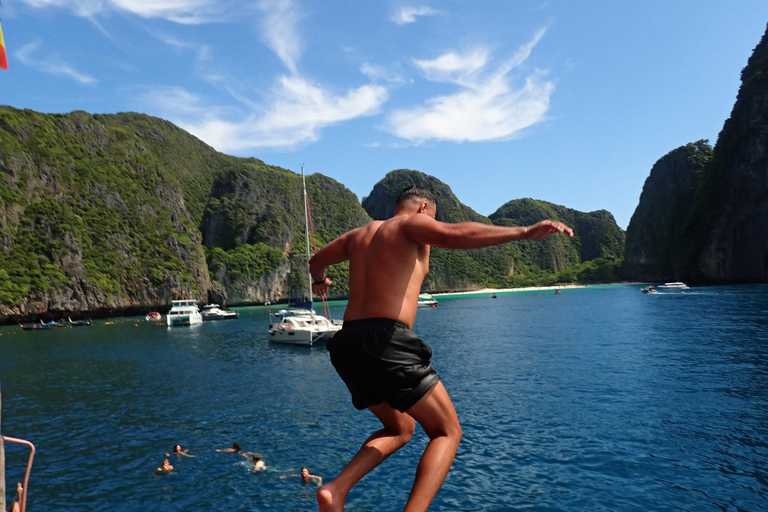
{"x": 658, "y": 245}
{"x": 93, "y": 217}
{"x": 734, "y": 199}
{"x": 104, "y": 214}
{"x": 703, "y": 212}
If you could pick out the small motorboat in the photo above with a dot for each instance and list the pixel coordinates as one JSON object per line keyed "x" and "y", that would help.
{"x": 427, "y": 301}
{"x": 677, "y": 285}
{"x": 80, "y": 323}
{"x": 154, "y": 316}
{"x": 41, "y": 326}
{"x": 214, "y": 312}
{"x": 650, "y": 289}
{"x": 296, "y": 326}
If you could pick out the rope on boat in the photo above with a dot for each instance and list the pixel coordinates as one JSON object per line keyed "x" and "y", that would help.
{"x": 314, "y": 248}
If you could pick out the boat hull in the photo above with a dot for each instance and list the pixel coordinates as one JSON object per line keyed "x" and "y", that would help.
{"x": 300, "y": 336}
{"x": 229, "y": 316}
{"x": 182, "y": 320}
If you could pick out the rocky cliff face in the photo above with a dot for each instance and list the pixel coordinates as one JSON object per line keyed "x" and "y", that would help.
{"x": 735, "y": 191}
{"x": 260, "y": 204}
{"x": 107, "y": 213}
{"x": 90, "y": 218}
{"x": 380, "y": 204}
{"x": 657, "y": 247}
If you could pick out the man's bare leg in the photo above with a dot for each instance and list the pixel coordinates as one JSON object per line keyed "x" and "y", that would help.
{"x": 436, "y": 415}
{"x": 397, "y": 431}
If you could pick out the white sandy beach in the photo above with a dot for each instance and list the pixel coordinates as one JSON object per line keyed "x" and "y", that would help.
{"x": 486, "y": 291}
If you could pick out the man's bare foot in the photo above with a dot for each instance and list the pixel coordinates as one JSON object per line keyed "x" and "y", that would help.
{"x": 328, "y": 500}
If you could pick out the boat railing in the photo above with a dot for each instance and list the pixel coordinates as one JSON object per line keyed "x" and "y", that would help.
{"x": 6, "y": 439}
{"x": 25, "y": 485}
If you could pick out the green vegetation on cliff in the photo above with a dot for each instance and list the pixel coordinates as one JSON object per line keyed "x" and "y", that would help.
{"x": 96, "y": 204}
{"x": 263, "y": 204}
{"x": 106, "y": 212}
{"x": 593, "y": 255}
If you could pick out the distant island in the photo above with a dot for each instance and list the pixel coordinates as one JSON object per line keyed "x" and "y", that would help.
{"x": 121, "y": 213}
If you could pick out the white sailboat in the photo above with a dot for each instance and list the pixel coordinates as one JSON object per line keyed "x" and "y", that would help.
{"x": 300, "y": 325}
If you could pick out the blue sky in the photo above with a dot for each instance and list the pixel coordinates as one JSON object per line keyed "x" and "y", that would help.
{"x": 569, "y": 102}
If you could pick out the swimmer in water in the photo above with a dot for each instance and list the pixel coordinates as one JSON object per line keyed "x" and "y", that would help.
{"x": 178, "y": 451}
{"x": 258, "y": 464}
{"x": 307, "y": 478}
{"x": 165, "y": 468}
{"x": 235, "y": 449}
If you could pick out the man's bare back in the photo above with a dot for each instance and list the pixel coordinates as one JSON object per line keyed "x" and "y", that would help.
{"x": 386, "y": 272}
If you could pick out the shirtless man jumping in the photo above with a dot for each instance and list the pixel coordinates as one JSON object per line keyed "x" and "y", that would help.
{"x": 382, "y": 362}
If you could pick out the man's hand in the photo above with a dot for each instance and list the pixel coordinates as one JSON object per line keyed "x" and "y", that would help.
{"x": 547, "y": 227}
{"x": 321, "y": 289}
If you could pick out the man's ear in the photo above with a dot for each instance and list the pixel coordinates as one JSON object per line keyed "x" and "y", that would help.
{"x": 423, "y": 207}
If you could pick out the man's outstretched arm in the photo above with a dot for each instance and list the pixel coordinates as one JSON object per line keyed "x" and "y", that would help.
{"x": 425, "y": 230}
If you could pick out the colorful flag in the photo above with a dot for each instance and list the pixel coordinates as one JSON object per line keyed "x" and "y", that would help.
{"x": 3, "y": 58}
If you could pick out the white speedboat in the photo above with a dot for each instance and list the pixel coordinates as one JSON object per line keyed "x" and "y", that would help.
{"x": 184, "y": 312}
{"x": 427, "y": 301}
{"x": 301, "y": 327}
{"x": 677, "y": 285}
{"x": 214, "y": 312}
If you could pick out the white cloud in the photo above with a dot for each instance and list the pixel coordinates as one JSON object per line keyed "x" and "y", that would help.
{"x": 202, "y": 51}
{"x": 297, "y": 112}
{"x": 293, "y": 112}
{"x": 454, "y": 68}
{"x": 486, "y": 107}
{"x": 379, "y": 74}
{"x": 51, "y": 64}
{"x": 279, "y": 30}
{"x": 409, "y": 14}
{"x": 180, "y": 11}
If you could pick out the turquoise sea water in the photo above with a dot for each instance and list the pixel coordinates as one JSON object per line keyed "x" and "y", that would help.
{"x": 594, "y": 400}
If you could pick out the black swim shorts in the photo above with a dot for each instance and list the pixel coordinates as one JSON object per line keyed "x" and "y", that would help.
{"x": 381, "y": 360}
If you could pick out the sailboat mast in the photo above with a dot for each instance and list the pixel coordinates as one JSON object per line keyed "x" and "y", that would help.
{"x": 306, "y": 234}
